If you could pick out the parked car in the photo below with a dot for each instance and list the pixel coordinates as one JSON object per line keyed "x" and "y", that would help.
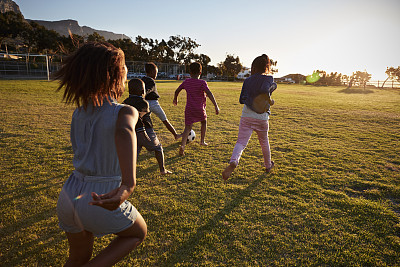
{"x": 183, "y": 76}
{"x": 132, "y": 75}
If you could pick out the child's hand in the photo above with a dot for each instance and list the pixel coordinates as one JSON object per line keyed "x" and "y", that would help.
{"x": 217, "y": 110}
{"x": 111, "y": 200}
{"x": 175, "y": 102}
{"x": 272, "y": 102}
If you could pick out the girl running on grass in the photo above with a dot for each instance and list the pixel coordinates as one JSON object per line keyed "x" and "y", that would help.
{"x": 195, "y": 111}
{"x": 93, "y": 201}
{"x": 256, "y": 97}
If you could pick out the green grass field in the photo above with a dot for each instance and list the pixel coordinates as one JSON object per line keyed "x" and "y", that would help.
{"x": 332, "y": 200}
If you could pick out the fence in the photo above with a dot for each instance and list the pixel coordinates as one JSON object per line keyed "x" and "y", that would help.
{"x": 387, "y": 84}
{"x": 165, "y": 70}
{"x": 31, "y": 66}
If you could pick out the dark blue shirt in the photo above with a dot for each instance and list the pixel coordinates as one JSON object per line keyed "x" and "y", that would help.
{"x": 254, "y": 86}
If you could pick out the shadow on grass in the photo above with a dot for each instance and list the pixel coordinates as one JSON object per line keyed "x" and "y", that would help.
{"x": 356, "y": 91}
{"x": 186, "y": 249}
{"x": 32, "y": 248}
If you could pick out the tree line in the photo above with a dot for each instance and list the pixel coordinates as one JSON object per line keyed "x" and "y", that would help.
{"x": 22, "y": 36}
{"x": 358, "y": 78}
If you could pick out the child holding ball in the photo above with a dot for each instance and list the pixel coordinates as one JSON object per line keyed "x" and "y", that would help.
{"x": 195, "y": 111}
{"x": 256, "y": 97}
{"x": 94, "y": 199}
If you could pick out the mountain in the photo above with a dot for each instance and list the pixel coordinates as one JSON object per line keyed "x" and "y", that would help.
{"x": 9, "y": 5}
{"x": 62, "y": 26}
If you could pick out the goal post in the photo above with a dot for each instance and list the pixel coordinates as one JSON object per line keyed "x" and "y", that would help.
{"x": 24, "y": 66}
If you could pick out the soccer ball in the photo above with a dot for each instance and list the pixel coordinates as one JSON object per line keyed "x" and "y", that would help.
{"x": 191, "y": 136}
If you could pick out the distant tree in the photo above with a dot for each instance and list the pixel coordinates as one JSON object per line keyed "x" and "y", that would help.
{"x": 214, "y": 70}
{"x": 323, "y": 81}
{"x": 231, "y": 66}
{"x": 161, "y": 52}
{"x": 334, "y": 79}
{"x": 183, "y": 48}
{"x": 361, "y": 77}
{"x": 393, "y": 74}
{"x": 273, "y": 66}
{"x": 204, "y": 60}
{"x": 12, "y": 25}
{"x": 345, "y": 79}
{"x": 95, "y": 37}
{"x": 144, "y": 46}
{"x": 131, "y": 50}
{"x": 46, "y": 40}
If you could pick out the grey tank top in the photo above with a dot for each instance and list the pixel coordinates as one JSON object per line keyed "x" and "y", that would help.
{"x": 93, "y": 139}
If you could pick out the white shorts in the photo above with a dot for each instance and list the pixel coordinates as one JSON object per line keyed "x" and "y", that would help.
{"x": 157, "y": 109}
{"x": 75, "y": 214}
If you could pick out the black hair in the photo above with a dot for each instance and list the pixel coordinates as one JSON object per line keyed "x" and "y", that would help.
{"x": 195, "y": 68}
{"x": 136, "y": 87}
{"x": 149, "y": 67}
{"x": 261, "y": 64}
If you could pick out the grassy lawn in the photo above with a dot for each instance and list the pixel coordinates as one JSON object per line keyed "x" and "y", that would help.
{"x": 333, "y": 198}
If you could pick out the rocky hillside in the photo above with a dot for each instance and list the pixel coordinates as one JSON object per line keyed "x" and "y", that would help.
{"x": 62, "y": 26}
{"x": 9, "y": 5}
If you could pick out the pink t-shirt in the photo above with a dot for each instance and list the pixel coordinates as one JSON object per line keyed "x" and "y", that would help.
{"x": 195, "y": 110}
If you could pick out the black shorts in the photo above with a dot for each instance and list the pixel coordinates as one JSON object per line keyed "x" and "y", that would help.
{"x": 151, "y": 145}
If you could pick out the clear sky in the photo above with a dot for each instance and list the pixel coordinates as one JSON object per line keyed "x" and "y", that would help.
{"x": 332, "y": 35}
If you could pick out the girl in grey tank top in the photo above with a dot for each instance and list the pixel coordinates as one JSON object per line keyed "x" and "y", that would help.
{"x": 94, "y": 199}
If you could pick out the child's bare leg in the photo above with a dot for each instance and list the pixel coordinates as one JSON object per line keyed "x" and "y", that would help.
{"x": 185, "y": 135}
{"x": 80, "y": 248}
{"x": 228, "y": 170}
{"x": 160, "y": 159}
{"x": 122, "y": 245}
{"x": 203, "y": 132}
{"x": 172, "y": 129}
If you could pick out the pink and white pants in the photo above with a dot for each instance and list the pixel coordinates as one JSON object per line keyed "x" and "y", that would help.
{"x": 246, "y": 128}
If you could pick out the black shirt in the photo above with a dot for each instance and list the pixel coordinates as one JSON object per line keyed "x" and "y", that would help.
{"x": 141, "y": 105}
{"x": 151, "y": 89}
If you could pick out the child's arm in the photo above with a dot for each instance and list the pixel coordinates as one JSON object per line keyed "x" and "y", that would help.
{"x": 270, "y": 100}
{"x": 144, "y": 109}
{"x": 126, "y": 144}
{"x": 211, "y": 97}
{"x": 177, "y": 91}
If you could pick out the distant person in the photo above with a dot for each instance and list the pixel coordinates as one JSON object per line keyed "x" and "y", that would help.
{"x": 256, "y": 97}
{"x": 93, "y": 201}
{"x": 195, "y": 111}
{"x": 146, "y": 137}
{"x": 152, "y": 97}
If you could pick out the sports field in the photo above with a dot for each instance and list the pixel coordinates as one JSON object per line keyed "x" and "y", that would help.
{"x": 332, "y": 200}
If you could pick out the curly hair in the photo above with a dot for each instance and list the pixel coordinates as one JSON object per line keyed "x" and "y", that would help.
{"x": 261, "y": 64}
{"x": 96, "y": 71}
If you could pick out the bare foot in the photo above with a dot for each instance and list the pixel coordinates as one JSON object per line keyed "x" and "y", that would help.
{"x": 203, "y": 144}
{"x": 181, "y": 151}
{"x": 165, "y": 172}
{"x": 268, "y": 170}
{"x": 228, "y": 171}
{"x": 178, "y": 136}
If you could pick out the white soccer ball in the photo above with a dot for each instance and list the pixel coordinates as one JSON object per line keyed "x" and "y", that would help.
{"x": 191, "y": 136}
